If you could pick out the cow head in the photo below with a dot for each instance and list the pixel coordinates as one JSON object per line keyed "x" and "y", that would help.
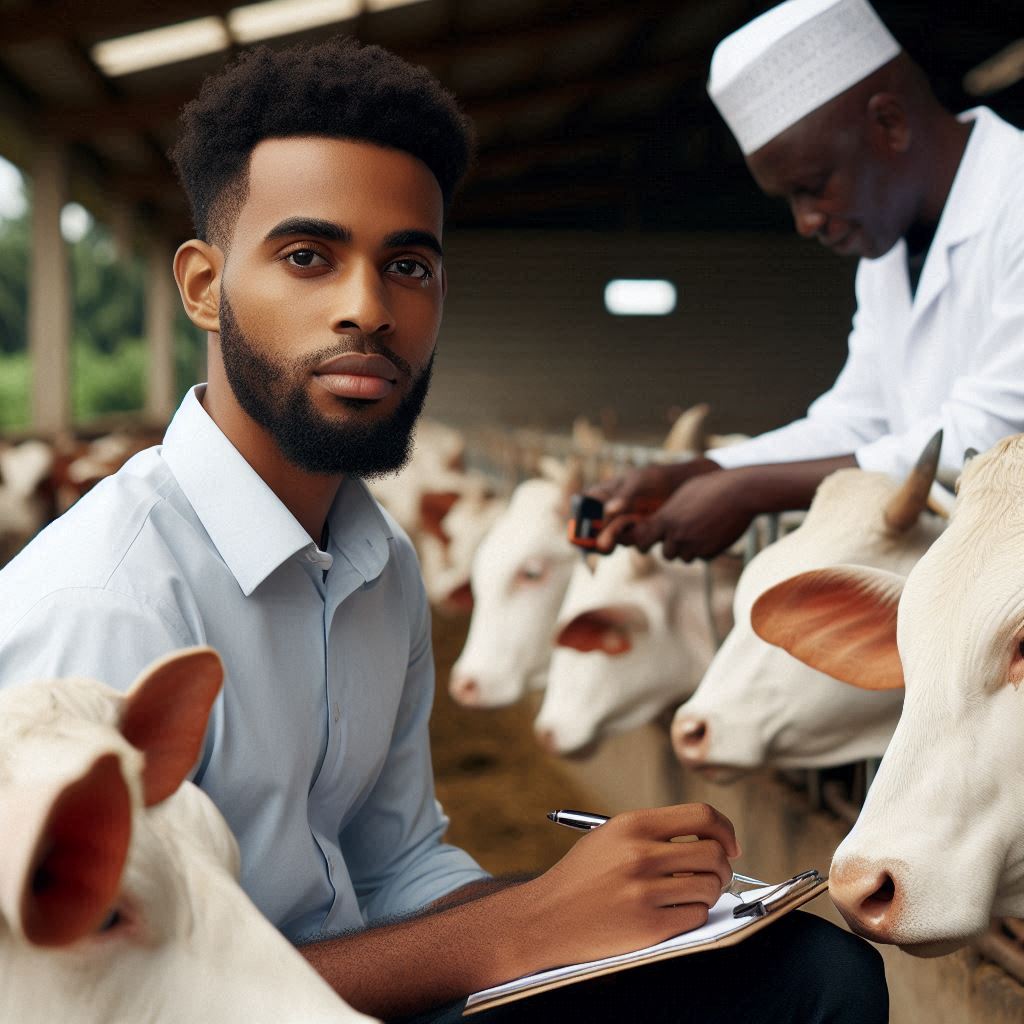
{"x": 519, "y": 576}
{"x": 758, "y": 704}
{"x": 632, "y": 638}
{"x": 118, "y": 879}
{"x": 938, "y": 847}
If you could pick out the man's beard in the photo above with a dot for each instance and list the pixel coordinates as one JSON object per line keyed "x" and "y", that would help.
{"x": 274, "y": 394}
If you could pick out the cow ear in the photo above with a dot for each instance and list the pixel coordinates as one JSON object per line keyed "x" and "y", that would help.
{"x": 608, "y": 630}
{"x": 841, "y": 621}
{"x": 165, "y": 716}
{"x": 434, "y": 506}
{"x": 63, "y": 854}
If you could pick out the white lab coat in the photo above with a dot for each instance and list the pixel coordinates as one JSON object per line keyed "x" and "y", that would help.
{"x": 953, "y": 357}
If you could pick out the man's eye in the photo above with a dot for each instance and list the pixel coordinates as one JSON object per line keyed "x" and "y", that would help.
{"x": 415, "y": 269}
{"x": 305, "y": 258}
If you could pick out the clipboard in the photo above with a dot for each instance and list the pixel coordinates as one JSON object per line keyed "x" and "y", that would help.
{"x": 757, "y": 909}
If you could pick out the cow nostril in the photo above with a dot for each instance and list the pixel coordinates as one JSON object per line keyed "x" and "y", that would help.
{"x": 882, "y": 896}
{"x": 693, "y": 731}
{"x": 465, "y": 690}
{"x": 546, "y": 739}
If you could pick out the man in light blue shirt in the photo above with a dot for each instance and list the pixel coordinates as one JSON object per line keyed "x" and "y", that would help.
{"x": 319, "y": 178}
{"x": 160, "y": 553}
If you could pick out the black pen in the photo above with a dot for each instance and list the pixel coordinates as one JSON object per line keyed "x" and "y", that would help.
{"x": 583, "y": 820}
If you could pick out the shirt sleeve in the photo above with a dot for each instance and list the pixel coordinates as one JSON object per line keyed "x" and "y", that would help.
{"x": 846, "y": 417}
{"x": 985, "y": 404}
{"x": 91, "y": 632}
{"x": 393, "y": 846}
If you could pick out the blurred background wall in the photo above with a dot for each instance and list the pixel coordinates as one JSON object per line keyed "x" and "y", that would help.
{"x": 759, "y": 329}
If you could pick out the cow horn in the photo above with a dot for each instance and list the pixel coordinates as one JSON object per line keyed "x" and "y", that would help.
{"x": 687, "y": 433}
{"x": 909, "y": 501}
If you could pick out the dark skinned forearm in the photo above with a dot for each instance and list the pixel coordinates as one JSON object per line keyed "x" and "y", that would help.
{"x": 783, "y": 486}
{"x": 431, "y": 959}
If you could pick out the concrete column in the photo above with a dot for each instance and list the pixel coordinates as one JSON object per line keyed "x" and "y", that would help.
{"x": 49, "y": 294}
{"x": 119, "y": 219}
{"x": 161, "y": 297}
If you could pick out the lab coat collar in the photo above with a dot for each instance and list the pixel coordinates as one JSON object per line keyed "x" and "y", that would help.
{"x": 971, "y": 200}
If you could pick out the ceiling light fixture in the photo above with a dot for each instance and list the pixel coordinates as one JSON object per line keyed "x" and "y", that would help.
{"x": 624, "y": 297}
{"x": 283, "y": 17}
{"x": 159, "y": 46}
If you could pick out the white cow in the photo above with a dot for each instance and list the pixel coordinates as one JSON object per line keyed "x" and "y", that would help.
{"x": 634, "y": 637}
{"x": 519, "y": 576}
{"x": 448, "y": 544}
{"x": 119, "y": 897}
{"x": 435, "y": 467}
{"x": 521, "y": 572}
{"x": 939, "y": 845}
{"x": 23, "y": 467}
{"x": 757, "y": 704}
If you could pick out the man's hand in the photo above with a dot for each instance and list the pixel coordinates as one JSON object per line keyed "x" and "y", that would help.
{"x": 639, "y": 493}
{"x": 700, "y": 520}
{"x": 624, "y": 885}
{"x": 709, "y": 510}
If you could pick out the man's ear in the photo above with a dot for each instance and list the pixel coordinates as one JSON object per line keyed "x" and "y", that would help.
{"x": 197, "y": 270}
{"x": 887, "y": 117}
{"x": 840, "y": 621}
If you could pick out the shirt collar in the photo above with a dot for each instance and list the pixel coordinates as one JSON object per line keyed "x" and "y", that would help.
{"x": 990, "y": 148}
{"x": 248, "y": 524}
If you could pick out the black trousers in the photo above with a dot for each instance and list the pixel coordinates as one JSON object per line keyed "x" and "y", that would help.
{"x": 800, "y": 970}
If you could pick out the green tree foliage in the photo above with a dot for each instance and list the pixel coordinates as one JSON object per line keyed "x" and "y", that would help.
{"x": 13, "y": 284}
{"x": 108, "y": 333}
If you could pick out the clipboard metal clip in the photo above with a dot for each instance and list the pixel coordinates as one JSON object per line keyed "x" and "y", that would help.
{"x": 757, "y": 908}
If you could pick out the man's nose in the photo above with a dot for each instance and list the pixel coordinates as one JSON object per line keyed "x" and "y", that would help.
{"x": 809, "y": 222}
{"x": 361, "y": 302}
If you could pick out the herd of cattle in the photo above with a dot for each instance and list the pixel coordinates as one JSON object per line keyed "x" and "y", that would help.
{"x": 808, "y": 674}
{"x": 115, "y": 866}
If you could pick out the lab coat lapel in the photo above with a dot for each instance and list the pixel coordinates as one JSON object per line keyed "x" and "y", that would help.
{"x": 934, "y": 276}
{"x": 965, "y": 211}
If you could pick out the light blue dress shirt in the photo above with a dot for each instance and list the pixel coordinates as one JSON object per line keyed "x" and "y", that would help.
{"x": 317, "y": 751}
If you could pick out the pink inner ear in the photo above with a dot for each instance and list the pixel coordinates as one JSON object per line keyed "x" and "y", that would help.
{"x": 596, "y": 631}
{"x": 434, "y": 506}
{"x": 839, "y": 621}
{"x": 165, "y": 716}
{"x": 76, "y": 875}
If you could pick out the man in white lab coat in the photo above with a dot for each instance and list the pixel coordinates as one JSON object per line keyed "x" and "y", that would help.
{"x": 835, "y": 118}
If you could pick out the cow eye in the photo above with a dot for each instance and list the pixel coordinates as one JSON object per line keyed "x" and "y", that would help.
{"x": 110, "y": 922}
{"x": 531, "y": 571}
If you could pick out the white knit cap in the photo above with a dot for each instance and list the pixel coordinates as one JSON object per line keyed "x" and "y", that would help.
{"x": 792, "y": 59}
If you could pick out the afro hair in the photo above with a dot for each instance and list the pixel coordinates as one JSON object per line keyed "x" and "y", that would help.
{"x": 338, "y": 89}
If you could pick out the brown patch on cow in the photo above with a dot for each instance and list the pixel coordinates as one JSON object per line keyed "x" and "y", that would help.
{"x": 461, "y": 598}
{"x": 434, "y": 506}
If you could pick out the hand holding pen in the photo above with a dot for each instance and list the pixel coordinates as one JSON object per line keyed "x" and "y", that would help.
{"x": 584, "y": 821}
{"x": 626, "y": 886}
